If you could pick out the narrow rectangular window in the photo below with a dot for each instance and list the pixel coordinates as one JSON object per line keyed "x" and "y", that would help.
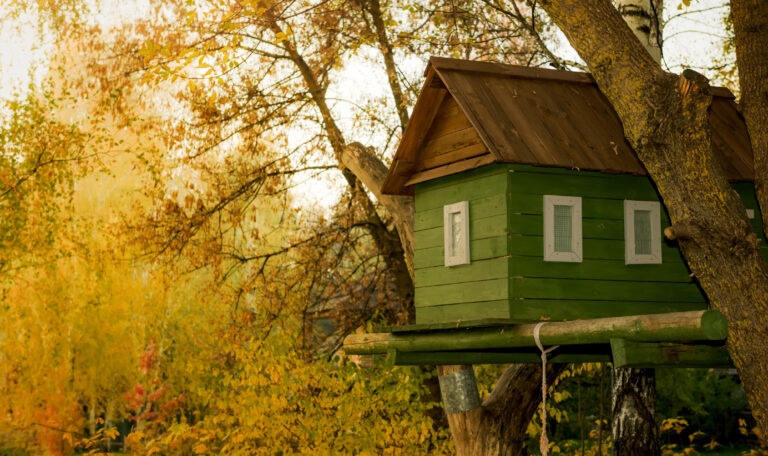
{"x": 642, "y": 232}
{"x": 456, "y": 233}
{"x": 562, "y": 228}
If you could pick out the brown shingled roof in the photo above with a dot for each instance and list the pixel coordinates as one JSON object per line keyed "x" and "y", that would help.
{"x": 540, "y": 117}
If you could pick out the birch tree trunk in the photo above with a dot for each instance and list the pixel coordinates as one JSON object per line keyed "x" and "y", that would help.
{"x": 634, "y": 431}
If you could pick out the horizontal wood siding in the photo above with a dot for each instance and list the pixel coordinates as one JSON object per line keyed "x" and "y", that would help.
{"x": 601, "y": 285}
{"x": 507, "y": 277}
{"x": 466, "y": 292}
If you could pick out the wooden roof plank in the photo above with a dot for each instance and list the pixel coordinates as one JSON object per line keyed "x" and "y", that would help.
{"x": 423, "y": 114}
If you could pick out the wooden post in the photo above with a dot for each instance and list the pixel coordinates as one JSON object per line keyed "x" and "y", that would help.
{"x": 462, "y": 405}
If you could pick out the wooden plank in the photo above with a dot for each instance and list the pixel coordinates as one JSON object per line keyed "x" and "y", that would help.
{"x": 571, "y": 309}
{"x": 463, "y": 178}
{"x": 481, "y": 249}
{"x": 704, "y": 325}
{"x": 463, "y": 311}
{"x": 415, "y": 328}
{"x": 495, "y": 268}
{"x": 479, "y": 228}
{"x": 533, "y": 225}
{"x": 455, "y": 293}
{"x": 447, "y": 64}
{"x": 447, "y": 170}
{"x": 599, "y": 290}
{"x": 619, "y": 187}
{"x": 519, "y": 266}
{"x": 655, "y": 354}
{"x": 594, "y": 249}
{"x": 473, "y": 186}
{"x": 470, "y": 150}
{"x": 429, "y": 102}
{"x": 448, "y": 119}
{"x": 483, "y": 207}
{"x": 592, "y": 208}
{"x": 401, "y": 358}
{"x": 448, "y": 142}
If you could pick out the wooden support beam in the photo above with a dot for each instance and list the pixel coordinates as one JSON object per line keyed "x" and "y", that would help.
{"x": 677, "y": 326}
{"x": 650, "y": 354}
{"x": 475, "y": 357}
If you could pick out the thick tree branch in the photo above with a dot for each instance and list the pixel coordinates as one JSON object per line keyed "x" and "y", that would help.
{"x": 364, "y": 163}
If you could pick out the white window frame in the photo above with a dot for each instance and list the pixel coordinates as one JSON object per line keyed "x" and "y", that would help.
{"x": 462, "y": 255}
{"x": 575, "y": 256}
{"x": 630, "y": 257}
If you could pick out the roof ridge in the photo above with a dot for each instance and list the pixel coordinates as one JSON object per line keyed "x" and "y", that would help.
{"x": 520, "y": 71}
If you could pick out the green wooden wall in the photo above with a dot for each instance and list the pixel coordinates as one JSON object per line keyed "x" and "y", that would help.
{"x": 507, "y": 277}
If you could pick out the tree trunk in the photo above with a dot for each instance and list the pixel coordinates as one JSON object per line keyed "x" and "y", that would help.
{"x": 497, "y": 426}
{"x": 666, "y": 121}
{"x": 634, "y": 431}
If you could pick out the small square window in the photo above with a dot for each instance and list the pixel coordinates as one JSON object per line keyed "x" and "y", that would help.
{"x": 642, "y": 232}
{"x": 456, "y": 233}
{"x": 562, "y": 228}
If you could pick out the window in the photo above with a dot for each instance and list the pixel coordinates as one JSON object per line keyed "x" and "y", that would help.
{"x": 750, "y": 213}
{"x": 456, "y": 233}
{"x": 562, "y": 228}
{"x": 642, "y": 232}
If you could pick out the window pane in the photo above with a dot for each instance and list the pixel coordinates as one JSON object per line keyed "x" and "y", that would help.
{"x": 643, "y": 233}
{"x": 456, "y": 233}
{"x": 563, "y": 228}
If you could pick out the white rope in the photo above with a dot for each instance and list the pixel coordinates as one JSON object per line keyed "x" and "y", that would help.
{"x": 543, "y": 440}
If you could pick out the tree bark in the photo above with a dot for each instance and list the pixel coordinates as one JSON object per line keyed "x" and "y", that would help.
{"x": 634, "y": 431}
{"x": 750, "y": 27}
{"x": 666, "y": 120}
{"x": 498, "y": 426}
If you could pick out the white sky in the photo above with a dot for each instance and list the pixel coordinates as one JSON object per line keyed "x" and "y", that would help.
{"x": 690, "y": 40}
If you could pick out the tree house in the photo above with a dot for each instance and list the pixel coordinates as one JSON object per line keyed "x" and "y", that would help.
{"x": 531, "y": 206}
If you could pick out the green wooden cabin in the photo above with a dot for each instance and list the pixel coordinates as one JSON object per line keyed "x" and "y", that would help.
{"x": 531, "y": 205}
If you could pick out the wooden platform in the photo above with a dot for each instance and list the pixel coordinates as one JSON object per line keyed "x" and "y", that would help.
{"x": 681, "y": 339}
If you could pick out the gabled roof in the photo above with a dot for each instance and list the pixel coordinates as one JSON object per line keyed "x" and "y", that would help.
{"x": 535, "y": 116}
